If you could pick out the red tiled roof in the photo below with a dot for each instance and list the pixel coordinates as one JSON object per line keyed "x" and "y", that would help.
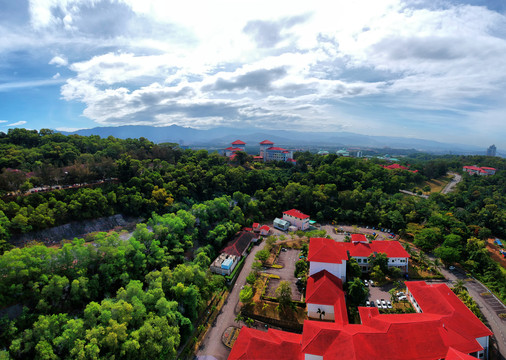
{"x": 238, "y": 142}
{"x": 296, "y": 213}
{"x": 393, "y": 249}
{"x": 474, "y": 168}
{"x": 234, "y": 149}
{"x": 255, "y": 225}
{"x": 323, "y": 288}
{"x": 274, "y": 344}
{"x": 488, "y": 168}
{"x": 358, "y": 238}
{"x": 258, "y": 157}
{"x": 326, "y": 251}
{"x": 266, "y": 142}
{"x": 292, "y": 160}
{"x": 240, "y": 242}
{"x": 439, "y": 299}
{"x": 265, "y": 227}
{"x": 276, "y": 148}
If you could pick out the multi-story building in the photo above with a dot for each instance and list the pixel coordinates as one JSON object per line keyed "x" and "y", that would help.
{"x": 443, "y": 328}
{"x": 492, "y": 150}
{"x": 297, "y": 218}
{"x": 484, "y": 170}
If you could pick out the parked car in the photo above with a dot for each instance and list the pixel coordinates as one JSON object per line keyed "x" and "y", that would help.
{"x": 452, "y": 267}
{"x": 371, "y": 283}
{"x": 400, "y": 293}
{"x": 389, "y": 304}
{"x": 367, "y": 303}
{"x": 366, "y": 283}
{"x": 379, "y": 303}
{"x": 402, "y": 298}
{"x": 383, "y": 304}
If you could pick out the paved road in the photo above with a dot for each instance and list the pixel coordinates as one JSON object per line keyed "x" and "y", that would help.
{"x": 212, "y": 345}
{"x": 452, "y": 184}
{"x": 489, "y": 306}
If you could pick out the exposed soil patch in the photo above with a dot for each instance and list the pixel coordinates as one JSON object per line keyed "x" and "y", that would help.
{"x": 495, "y": 253}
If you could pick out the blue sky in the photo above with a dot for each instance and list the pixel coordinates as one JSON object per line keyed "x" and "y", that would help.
{"x": 425, "y": 69}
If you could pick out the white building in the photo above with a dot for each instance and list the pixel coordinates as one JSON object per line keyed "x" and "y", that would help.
{"x": 296, "y": 218}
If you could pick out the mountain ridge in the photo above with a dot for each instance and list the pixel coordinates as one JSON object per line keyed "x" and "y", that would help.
{"x": 221, "y": 136}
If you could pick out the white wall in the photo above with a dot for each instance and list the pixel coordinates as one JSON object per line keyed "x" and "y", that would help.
{"x": 312, "y": 311}
{"x": 312, "y": 357}
{"x": 338, "y": 270}
{"x": 483, "y": 341}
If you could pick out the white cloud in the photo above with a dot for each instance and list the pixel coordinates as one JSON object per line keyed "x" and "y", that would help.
{"x": 199, "y": 62}
{"x": 18, "y": 123}
{"x": 58, "y": 61}
{"x": 29, "y": 84}
{"x": 56, "y": 76}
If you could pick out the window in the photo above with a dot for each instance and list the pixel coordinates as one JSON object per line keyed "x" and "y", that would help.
{"x": 359, "y": 260}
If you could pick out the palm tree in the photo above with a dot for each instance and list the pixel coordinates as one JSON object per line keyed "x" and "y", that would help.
{"x": 459, "y": 287}
{"x": 321, "y": 312}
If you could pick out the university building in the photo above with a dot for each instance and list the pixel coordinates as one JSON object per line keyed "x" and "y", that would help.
{"x": 442, "y": 328}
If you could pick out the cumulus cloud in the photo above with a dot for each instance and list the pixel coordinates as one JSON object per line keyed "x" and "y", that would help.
{"x": 58, "y": 61}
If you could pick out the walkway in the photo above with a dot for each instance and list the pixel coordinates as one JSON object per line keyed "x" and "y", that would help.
{"x": 212, "y": 345}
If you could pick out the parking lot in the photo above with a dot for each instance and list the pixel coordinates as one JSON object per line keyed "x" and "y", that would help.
{"x": 287, "y": 259}
{"x": 376, "y": 293}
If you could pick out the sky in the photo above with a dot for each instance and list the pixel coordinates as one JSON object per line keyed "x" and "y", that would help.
{"x": 431, "y": 69}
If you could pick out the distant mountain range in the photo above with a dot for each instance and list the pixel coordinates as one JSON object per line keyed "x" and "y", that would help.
{"x": 222, "y": 136}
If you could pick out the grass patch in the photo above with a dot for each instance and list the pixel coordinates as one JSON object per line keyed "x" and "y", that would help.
{"x": 436, "y": 185}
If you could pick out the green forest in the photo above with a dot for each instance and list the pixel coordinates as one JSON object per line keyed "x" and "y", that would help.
{"x": 140, "y": 297}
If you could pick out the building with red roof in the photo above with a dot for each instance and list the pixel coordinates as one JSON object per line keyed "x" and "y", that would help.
{"x": 323, "y": 254}
{"x": 360, "y": 251}
{"x": 264, "y": 230}
{"x": 325, "y": 297}
{"x": 358, "y": 238}
{"x": 272, "y": 344}
{"x": 296, "y": 218}
{"x": 484, "y": 170}
{"x": 237, "y": 145}
{"x": 269, "y": 152}
{"x": 439, "y": 299}
{"x": 443, "y": 328}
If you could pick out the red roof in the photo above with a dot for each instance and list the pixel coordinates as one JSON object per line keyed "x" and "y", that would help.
{"x": 238, "y": 142}
{"x": 266, "y": 142}
{"x": 234, "y": 149}
{"x": 326, "y": 251}
{"x": 439, "y": 299}
{"x": 358, "y": 238}
{"x": 323, "y": 288}
{"x": 296, "y": 214}
{"x": 239, "y": 244}
{"x": 393, "y": 249}
{"x": 258, "y": 157}
{"x": 488, "y": 168}
{"x": 255, "y": 225}
{"x": 274, "y": 344}
{"x": 265, "y": 228}
{"x": 276, "y": 148}
{"x": 422, "y": 336}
